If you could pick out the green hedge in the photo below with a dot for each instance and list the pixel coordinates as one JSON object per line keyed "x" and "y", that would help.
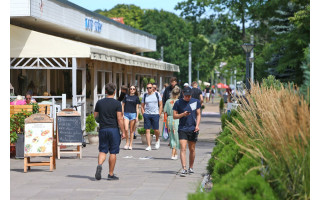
{"x": 234, "y": 175}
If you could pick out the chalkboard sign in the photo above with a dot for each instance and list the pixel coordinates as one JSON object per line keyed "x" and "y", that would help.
{"x": 69, "y": 129}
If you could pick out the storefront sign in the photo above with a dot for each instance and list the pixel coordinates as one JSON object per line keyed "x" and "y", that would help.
{"x": 93, "y": 25}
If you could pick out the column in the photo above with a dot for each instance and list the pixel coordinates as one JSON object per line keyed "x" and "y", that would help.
{"x": 95, "y": 83}
{"x": 48, "y": 81}
{"x": 103, "y": 82}
{"x": 74, "y": 81}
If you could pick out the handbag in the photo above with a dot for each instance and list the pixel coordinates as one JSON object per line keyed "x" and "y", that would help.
{"x": 165, "y": 134}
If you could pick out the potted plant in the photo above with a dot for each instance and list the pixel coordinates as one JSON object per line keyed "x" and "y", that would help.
{"x": 221, "y": 105}
{"x": 17, "y": 132}
{"x": 93, "y": 135}
{"x": 13, "y": 140}
{"x": 142, "y": 133}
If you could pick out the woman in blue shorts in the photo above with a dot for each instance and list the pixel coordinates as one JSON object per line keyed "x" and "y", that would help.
{"x": 130, "y": 109}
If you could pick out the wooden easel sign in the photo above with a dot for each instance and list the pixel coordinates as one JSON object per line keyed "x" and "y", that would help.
{"x": 38, "y": 140}
{"x": 69, "y": 132}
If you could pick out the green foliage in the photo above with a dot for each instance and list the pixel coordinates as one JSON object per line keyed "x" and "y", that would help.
{"x": 142, "y": 131}
{"x": 271, "y": 82}
{"x": 140, "y": 117}
{"x": 152, "y": 80}
{"x": 131, "y": 14}
{"x": 17, "y": 124}
{"x": 35, "y": 108}
{"x": 13, "y": 137}
{"x": 221, "y": 104}
{"x": 90, "y": 123}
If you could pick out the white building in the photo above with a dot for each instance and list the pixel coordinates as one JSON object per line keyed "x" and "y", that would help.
{"x": 60, "y": 47}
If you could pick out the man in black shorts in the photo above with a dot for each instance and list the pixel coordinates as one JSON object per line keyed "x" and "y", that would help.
{"x": 188, "y": 111}
{"x": 109, "y": 111}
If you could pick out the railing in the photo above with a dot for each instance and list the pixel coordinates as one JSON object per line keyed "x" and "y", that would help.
{"x": 81, "y": 102}
{"x": 54, "y": 106}
{"x": 101, "y": 96}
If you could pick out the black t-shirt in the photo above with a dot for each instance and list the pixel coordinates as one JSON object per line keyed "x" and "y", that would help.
{"x": 122, "y": 95}
{"x": 131, "y": 103}
{"x": 196, "y": 92}
{"x": 107, "y": 109}
{"x": 207, "y": 90}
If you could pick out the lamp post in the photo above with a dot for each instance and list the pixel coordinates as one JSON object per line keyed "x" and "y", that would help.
{"x": 247, "y": 47}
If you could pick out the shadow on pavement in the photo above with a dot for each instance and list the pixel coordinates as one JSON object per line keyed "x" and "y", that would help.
{"x": 163, "y": 172}
{"x": 86, "y": 177}
{"x": 30, "y": 170}
{"x": 162, "y": 158}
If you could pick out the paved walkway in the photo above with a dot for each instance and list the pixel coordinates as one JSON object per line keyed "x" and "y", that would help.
{"x": 143, "y": 175}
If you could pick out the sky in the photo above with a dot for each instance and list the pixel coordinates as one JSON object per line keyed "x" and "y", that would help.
{"x": 167, "y": 5}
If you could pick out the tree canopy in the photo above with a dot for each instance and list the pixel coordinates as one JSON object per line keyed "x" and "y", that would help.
{"x": 217, "y": 28}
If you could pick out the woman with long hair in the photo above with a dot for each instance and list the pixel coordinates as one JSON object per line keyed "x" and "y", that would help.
{"x": 172, "y": 124}
{"x": 130, "y": 110}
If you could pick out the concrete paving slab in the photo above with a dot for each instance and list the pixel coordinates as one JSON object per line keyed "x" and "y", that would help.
{"x": 154, "y": 178}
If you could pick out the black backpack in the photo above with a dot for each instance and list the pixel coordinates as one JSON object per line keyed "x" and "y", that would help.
{"x": 145, "y": 95}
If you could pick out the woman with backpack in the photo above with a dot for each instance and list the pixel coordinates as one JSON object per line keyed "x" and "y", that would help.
{"x": 130, "y": 110}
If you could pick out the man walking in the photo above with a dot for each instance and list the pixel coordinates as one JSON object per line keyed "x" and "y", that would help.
{"x": 167, "y": 91}
{"x": 188, "y": 111}
{"x": 196, "y": 92}
{"x": 109, "y": 112}
{"x": 151, "y": 109}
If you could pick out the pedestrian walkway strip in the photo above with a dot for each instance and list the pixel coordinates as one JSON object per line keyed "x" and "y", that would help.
{"x": 210, "y": 113}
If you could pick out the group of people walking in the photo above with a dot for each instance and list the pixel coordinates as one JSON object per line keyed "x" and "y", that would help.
{"x": 181, "y": 115}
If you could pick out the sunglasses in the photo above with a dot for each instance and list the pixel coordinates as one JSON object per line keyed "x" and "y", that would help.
{"x": 132, "y": 88}
{"x": 28, "y": 98}
{"x": 149, "y": 87}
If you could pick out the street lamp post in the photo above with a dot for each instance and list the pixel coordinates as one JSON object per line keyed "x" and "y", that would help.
{"x": 247, "y": 47}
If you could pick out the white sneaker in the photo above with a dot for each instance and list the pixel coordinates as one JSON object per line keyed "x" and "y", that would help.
{"x": 157, "y": 145}
{"x": 148, "y": 148}
{"x": 174, "y": 157}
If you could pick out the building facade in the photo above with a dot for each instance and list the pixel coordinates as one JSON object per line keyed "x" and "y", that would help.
{"x": 61, "y": 48}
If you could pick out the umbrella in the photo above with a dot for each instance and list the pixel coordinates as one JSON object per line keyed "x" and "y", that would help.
{"x": 221, "y": 85}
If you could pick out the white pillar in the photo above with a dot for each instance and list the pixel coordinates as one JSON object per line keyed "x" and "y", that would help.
{"x": 103, "y": 82}
{"x": 95, "y": 84}
{"x": 48, "y": 81}
{"x": 74, "y": 81}
{"x": 160, "y": 83}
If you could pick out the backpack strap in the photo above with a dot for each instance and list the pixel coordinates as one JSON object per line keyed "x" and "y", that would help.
{"x": 144, "y": 97}
{"x": 157, "y": 98}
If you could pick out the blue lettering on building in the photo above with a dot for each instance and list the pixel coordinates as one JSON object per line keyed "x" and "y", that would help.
{"x": 91, "y": 25}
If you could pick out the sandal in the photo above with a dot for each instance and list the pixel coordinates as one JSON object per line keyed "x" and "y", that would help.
{"x": 126, "y": 147}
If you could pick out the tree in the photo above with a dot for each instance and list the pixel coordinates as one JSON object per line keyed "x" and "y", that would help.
{"x": 132, "y": 14}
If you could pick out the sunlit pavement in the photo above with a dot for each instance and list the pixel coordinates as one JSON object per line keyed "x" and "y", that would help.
{"x": 143, "y": 174}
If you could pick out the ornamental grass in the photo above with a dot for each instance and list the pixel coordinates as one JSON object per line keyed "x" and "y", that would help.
{"x": 276, "y": 130}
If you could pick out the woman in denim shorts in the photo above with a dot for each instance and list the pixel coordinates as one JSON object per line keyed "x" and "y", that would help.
{"x": 130, "y": 109}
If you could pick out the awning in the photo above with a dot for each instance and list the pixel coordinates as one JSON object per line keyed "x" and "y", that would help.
{"x": 25, "y": 43}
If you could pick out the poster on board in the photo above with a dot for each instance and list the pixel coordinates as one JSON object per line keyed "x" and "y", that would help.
{"x": 38, "y": 138}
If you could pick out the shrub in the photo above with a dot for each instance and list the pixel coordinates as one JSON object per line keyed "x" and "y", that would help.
{"x": 140, "y": 117}
{"x": 90, "y": 123}
{"x": 221, "y": 104}
{"x": 280, "y": 136}
{"x": 142, "y": 131}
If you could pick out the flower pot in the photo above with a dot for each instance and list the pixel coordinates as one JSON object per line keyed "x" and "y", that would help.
{"x": 144, "y": 139}
{"x": 20, "y": 146}
{"x": 93, "y": 138}
{"x": 12, "y": 150}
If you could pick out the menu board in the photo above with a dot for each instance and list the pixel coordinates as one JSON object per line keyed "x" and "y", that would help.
{"x": 38, "y": 138}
